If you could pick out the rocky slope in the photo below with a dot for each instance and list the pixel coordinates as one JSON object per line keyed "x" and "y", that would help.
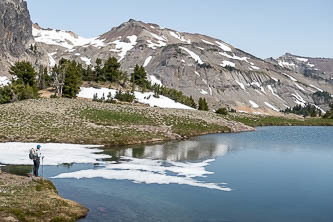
{"x": 196, "y": 64}
{"x": 16, "y": 36}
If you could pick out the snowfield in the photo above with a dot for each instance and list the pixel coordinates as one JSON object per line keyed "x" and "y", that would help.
{"x": 86, "y": 60}
{"x": 123, "y": 47}
{"x": 253, "y": 104}
{"x": 55, "y": 154}
{"x": 64, "y": 39}
{"x": 179, "y": 37}
{"x": 223, "y": 46}
{"x": 147, "y": 61}
{"x": 146, "y": 98}
{"x": 272, "y": 107}
{"x": 227, "y": 63}
{"x": 193, "y": 55}
{"x": 4, "y": 81}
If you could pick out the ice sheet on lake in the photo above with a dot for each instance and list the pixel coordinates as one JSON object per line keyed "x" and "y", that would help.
{"x": 150, "y": 171}
{"x": 55, "y": 154}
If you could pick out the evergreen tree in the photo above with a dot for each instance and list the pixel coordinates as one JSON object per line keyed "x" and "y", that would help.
{"x": 25, "y": 85}
{"x": 111, "y": 70}
{"x": 25, "y": 73}
{"x": 99, "y": 75}
{"x": 203, "y": 104}
{"x": 73, "y": 78}
{"x": 139, "y": 77}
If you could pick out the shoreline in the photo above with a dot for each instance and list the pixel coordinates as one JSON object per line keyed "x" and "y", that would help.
{"x": 30, "y": 199}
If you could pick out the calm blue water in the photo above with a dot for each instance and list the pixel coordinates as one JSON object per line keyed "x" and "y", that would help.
{"x": 276, "y": 174}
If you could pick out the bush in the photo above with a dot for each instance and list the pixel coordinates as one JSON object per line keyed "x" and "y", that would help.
{"x": 222, "y": 111}
{"x": 125, "y": 97}
{"x": 6, "y": 95}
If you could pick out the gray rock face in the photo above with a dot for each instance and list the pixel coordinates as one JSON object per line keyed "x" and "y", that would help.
{"x": 16, "y": 35}
{"x": 15, "y": 27}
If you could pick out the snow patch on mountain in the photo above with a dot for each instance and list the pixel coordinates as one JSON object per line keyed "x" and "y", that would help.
{"x": 253, "y": 104}
{"x": 272, "y": 107}
{"x": 227, "y": 63}
{"x": 223, "y": 46}
{"x": 4, "y": 81}
{"x": 86, "y": 60}
{"x": 315, "y": 87}
{"x": 52, "y": 62}
{"x": 123, "y": 47}
{"x": 207, "y": 42}
{"x": 146, "y": 98}
{"x": 179, "y": 37}
{"x": 154, "y": 80}
{"x": 147, "y": 61}
{"x": 64, "y": 39}
{"x": 193, "y": 55}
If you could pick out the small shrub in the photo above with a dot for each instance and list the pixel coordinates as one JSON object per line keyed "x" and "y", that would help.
{"x": 222, "y": 111}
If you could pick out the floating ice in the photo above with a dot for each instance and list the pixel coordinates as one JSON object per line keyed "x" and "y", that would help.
{"x": 150, "y": 171}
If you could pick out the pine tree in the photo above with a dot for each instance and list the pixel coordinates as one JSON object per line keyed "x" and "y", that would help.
{"x": 203, "y": 104}
{"x": 139, "y": 76}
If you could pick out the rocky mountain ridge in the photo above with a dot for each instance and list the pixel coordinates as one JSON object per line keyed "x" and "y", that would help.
{"x": 198, "y": 65}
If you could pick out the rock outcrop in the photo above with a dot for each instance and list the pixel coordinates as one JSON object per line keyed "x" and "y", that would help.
{"x": 16, "y": 35}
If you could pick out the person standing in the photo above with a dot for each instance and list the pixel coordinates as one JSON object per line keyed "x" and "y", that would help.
{"x": 35, "y": 154}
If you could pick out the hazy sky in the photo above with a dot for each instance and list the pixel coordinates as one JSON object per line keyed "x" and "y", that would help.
{"x": 263, "y": 28}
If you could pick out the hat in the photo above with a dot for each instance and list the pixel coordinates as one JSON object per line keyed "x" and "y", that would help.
{"x": 38, "y": 146}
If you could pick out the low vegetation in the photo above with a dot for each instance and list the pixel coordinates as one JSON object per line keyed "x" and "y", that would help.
{"x": 24, "y": 199}
{"x": 85, "y": 122}
{"x": 261, "y": 120}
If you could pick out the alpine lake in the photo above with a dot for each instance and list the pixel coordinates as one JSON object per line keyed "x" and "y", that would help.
{"x": 272, "y": 174}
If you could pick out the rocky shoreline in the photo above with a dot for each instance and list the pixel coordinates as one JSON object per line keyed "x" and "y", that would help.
{"x": 35, "y": 199}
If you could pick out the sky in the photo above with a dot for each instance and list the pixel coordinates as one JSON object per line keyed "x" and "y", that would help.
{"x": 264, "y": 28}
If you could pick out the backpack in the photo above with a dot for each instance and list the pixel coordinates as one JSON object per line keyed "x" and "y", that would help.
{"x": 31, "y": 155}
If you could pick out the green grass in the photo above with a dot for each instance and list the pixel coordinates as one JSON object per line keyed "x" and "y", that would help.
{"x": 108, "y": 117}
{"x": 191, "y": 127}
{"x": 254, "y": 120}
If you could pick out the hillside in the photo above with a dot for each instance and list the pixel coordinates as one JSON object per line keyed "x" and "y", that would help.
{"x": 81, "y": 121}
